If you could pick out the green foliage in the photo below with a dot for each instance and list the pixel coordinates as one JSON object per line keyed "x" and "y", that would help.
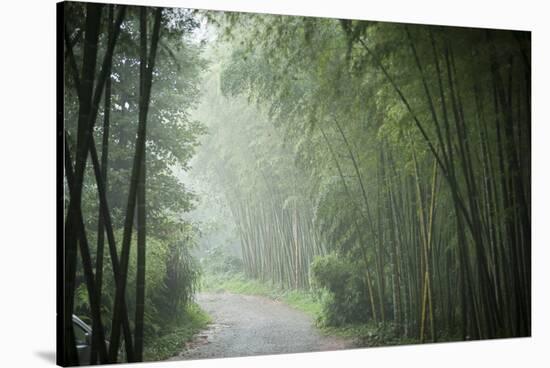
{"x": 402, "y": 151}
{"x": 171, "y": 273}
{"x": 410, "y": 154}
{"x": 247, "y": 160}
{"x": 171, "y": 278}
{"x": 217, "y": 261}
{"x": 172, "y": 340}
{"x": 239, "y": 283}
{"x": 346, "y": 301}
{"x": 180, "y": 281}
{"x": 371, "y": 334}
{"x": 172, "y": 135}
{"x": 223, "y": 272}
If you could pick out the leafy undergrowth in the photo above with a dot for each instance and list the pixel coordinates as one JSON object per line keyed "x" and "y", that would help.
{"x": 370, "y": 334}
{"x": 172, "y": 342}
{"x": 381, "y": 334}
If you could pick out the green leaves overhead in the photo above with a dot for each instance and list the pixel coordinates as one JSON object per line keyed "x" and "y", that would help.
{"x": 391, "y": 127}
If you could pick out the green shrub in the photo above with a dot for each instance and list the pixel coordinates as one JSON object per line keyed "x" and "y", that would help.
{"x": 180, "y": 282}
{"x": 346, "y": 300}
{"x": 217, "y": 261}
{"x": 371, "y": 334}
{"x": 171, "y": 342}
{"x": 171, "y": 277}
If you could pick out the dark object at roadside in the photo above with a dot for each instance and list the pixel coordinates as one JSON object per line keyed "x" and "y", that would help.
{"x": 83, "y": 338}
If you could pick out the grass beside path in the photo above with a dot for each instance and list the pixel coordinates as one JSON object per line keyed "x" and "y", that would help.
{"x": 363, "y": 335}
{"x": 238, "y": 283}
{"x": 172, "y": 342}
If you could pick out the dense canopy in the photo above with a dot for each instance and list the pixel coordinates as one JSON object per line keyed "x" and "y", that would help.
{"x": 383, "y": 169}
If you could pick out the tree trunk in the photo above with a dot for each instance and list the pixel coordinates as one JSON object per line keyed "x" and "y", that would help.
{"x": 132, "y": 195}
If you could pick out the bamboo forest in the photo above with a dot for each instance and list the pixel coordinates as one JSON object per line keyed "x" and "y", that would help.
{"x": 242, "y": 184}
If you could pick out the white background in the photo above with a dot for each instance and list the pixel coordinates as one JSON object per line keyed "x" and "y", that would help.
{"x": 27, "y": 181}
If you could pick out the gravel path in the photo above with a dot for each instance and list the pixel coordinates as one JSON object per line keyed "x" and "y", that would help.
{"x": 251, "y": 325}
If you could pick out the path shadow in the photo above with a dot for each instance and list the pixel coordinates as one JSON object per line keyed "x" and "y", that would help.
{"x": 48, "y": 356}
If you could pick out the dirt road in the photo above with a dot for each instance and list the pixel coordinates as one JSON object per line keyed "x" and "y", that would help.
{"x": 251, "y": 325}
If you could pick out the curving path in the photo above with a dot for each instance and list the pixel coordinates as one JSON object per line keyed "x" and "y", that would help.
{"x": 246, "y": 325}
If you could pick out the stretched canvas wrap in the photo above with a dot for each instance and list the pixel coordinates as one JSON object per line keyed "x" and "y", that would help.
{"x": 236, "y": 184}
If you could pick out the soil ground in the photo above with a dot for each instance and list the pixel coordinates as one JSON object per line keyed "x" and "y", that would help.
{"x": 244, "y": 325}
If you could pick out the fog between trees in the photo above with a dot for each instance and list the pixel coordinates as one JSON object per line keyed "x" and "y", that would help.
{"x": 385, "y": 166}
